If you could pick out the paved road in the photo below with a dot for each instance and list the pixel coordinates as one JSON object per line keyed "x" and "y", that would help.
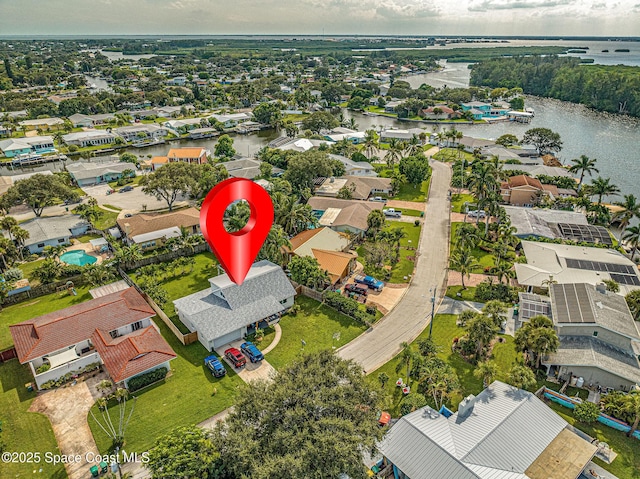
{"x": 411, "y": 315}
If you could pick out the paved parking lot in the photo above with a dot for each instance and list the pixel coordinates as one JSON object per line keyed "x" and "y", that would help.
{"x": 130, "y": 201}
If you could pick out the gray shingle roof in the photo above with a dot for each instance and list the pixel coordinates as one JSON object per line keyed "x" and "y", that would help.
{"x": 506, "y": 430}
{"x": 45, "y": 228}
{"x": 226, "y": 307}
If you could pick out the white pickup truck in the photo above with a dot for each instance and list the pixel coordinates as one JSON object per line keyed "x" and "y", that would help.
{"x": 393, "y": 213}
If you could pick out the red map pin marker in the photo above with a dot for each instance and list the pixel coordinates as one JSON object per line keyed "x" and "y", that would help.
{"x": 236, "y": 251}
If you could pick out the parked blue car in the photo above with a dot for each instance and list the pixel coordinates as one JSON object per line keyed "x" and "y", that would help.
{"x": 370, "y": 281}
{"x": 252, "y": 352}
{"x": 215, "y": 366}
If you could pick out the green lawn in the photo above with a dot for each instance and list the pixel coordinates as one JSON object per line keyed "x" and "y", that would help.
{"x": 484, "y": 258}
{"x": 465, "y": 294}
{"x": 111, "y": 207}
{"x": 24, "y": 431}
{"x": 134, "y": 181}
{"x": 106, "y": 220}
{"x": 452, "y": 154}
{"x": 627, "y": 464}
{"x": 186, "y": 397}
{"x": 316, "y": 324}
{"x": 88, "y": 237}
{"x": 405, "y": 266}
{"x": 408, "y": 192}
{"x": 458, "y": 200}
{"x": 406, "y": 212}
{"x": 27, "y": 270}
{"x": 184, "y": 285}
{"x": 31, "y": 308}
{"x": 444, "y": 330}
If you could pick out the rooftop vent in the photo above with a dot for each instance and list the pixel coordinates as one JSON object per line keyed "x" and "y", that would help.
{"x": 601, "y": 288}
{"x": 466, "y": 406}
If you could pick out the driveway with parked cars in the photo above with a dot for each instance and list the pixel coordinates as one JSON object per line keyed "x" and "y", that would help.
{"x": 251, "y": 371}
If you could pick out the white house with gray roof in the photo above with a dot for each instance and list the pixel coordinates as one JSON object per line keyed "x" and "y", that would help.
{"x": 503, "y": 433}
{"x": 225, "y": 311}
{"x": 52, "y": 231}
{"x": 93, "y": 173}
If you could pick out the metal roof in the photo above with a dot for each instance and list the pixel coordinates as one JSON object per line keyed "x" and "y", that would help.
{"x": 505, "y": 431}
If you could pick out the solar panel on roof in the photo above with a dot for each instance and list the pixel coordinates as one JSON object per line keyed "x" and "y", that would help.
{"x": 624, "y": 273}
{"x": 629, "y": 279}
{"x": 572, "y": 304}
{"x": 588, "y": 233}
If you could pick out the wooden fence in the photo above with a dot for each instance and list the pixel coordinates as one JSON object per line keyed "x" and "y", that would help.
{"x": 306, "y": 291}
{"x": 8, "y": 354}
{"x": 42, "y": 290}
{"x": 185, "y": 339}
{"x": 171, "y": 255}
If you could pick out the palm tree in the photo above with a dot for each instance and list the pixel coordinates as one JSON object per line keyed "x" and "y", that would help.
{"x": 54, "y": 252}
{"x": 352, "y": 124}
{"x": 486, "y": 370}
{"x": 481, "y": 329}
{"x": 521, "y": 377}
{"x": 8, "y": 224}
{"x": 483, "y": 179}
{"x": 394, "y": 152}
{"x": 504, "y": 270}
{"x": 583, "y": 165}
{"x": 406, "y": 358}
{"x": 465, "y": 262}
{"x": 467, "y": 237}
{"x": 632, "y": 407}
{"x": 601, "y": 187}
{"x": 414, "y": 146}
{"x": 370, "y": 143}
{"x": 273, "y": 247}
{"x": 632, "y": 237}
{"x": 20, "y": 235}
{"x": 630, "y": 209}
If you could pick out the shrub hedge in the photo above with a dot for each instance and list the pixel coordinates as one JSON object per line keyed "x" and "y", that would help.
{"x": 138, "y": 382}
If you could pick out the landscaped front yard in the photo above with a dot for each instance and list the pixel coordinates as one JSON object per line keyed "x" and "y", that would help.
{"x": 189, "y": 396}
{"x": 106, "y": 220}
{"x": 408, "y": 192}
{"x": 405, "y": 266}
{"x": 485, "y": 259}
{"x": 444, "y": 331}
{"x": 31, "y": 308}
{"x": 319, "y": 326}
{"x": 458, "y": 201}
{"x": 24, "y": 431}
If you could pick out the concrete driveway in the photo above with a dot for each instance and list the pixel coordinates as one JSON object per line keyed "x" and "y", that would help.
{"x": 67, "y": 409}
{"x": 131, "y": 201}
{"x": 251, "y": 371}
{"x": 411, "y": 315}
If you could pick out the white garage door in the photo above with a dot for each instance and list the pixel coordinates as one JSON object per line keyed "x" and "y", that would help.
{"x": 227, "y": 338}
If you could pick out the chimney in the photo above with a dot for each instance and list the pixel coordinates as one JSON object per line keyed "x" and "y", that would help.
{"x": 127, "y": 229}
{"x": 466, "y": 406}
{"x": 601, "y": 288}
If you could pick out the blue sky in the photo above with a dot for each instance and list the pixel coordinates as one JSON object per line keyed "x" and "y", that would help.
{"x": 424, "y": 17}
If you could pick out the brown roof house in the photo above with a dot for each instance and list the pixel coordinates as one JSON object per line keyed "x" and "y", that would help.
{"x": 150, "y": 231}
{"x": 522, "y": 190}
{"x": 115, "y": 330}
{"x": 343, "y": 215}
{"x": 329, "y": 248}
{"x": 361, "y": 187}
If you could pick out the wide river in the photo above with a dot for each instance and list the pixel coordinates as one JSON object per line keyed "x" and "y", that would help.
{"x": 612, "y": 139}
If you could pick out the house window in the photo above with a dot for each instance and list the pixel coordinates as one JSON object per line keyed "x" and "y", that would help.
{"x": 114, "y": 334}
{"x": 283, "y": 301}
{"x": 40, "y": 245}
{"x": 595, "y": 333}
{"x": 61, "y": 240}
{"x": 137, "y": 325}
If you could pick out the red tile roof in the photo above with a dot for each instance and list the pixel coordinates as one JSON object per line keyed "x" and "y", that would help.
{"x": 45, "y": 334}
{"x": 135, "y": 353}
{"x": 301, "y": 238}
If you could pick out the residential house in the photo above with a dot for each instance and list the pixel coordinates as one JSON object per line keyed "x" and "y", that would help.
{"x": 522, "y": 190}
{"x": 152, "y": 230}
{"x": 230, "y": 120}
{"x": 52, "y": 231}
{"x": 471, "y": 144}
{"x": 7, "y": 182}
{"x": 185, "y": 155}
{"x": 387, "y": 135}
{"x": 478, "y": 109}
{"x": 142, "y": 131}
{"x": 80, "y": 120}
{"x": 184, "y": 123}
{"x": 27, "y": 145}
{"x": 503, "y": 154}
{"x": 599, "y": 340}
{"x": 177, "y": 81}
{"x": 42, "y": 123}
{"x": 297, "y": 144}
{"x": 361, "y": 187}
{"x": 384, "y": 89}
{"x": 115, "y": 330}
{"x": 338, "y": 134}
{"x": 329, "y": 248}
{"x": 503, "y": 432}
{"x": 565, "y": 264}
{"x": 227, "y": 311}
{"x": 172, "y": 111}
{"x": 248, "y": 168}
{"x": 553, "y": 224}
{"x": 343, "y": 215}
{"x": 439, "y": 112}
{"x": 534, "y": 170}
{"x": 89, "y": 138}
{"x": 390, "y": 106}
{"x": 355, "y": 168}
{"x": 96, "y": 172}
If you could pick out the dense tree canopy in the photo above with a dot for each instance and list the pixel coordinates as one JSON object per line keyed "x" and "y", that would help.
{"x": 37, "y": 192}
{"x": 314, "y": 420}
{"x": 170, "y": 181}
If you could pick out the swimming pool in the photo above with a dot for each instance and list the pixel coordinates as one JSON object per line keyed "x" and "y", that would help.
{"x": 78, "y": 258}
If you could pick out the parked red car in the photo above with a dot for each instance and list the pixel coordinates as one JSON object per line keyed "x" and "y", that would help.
{"x": 236, "y": 357}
